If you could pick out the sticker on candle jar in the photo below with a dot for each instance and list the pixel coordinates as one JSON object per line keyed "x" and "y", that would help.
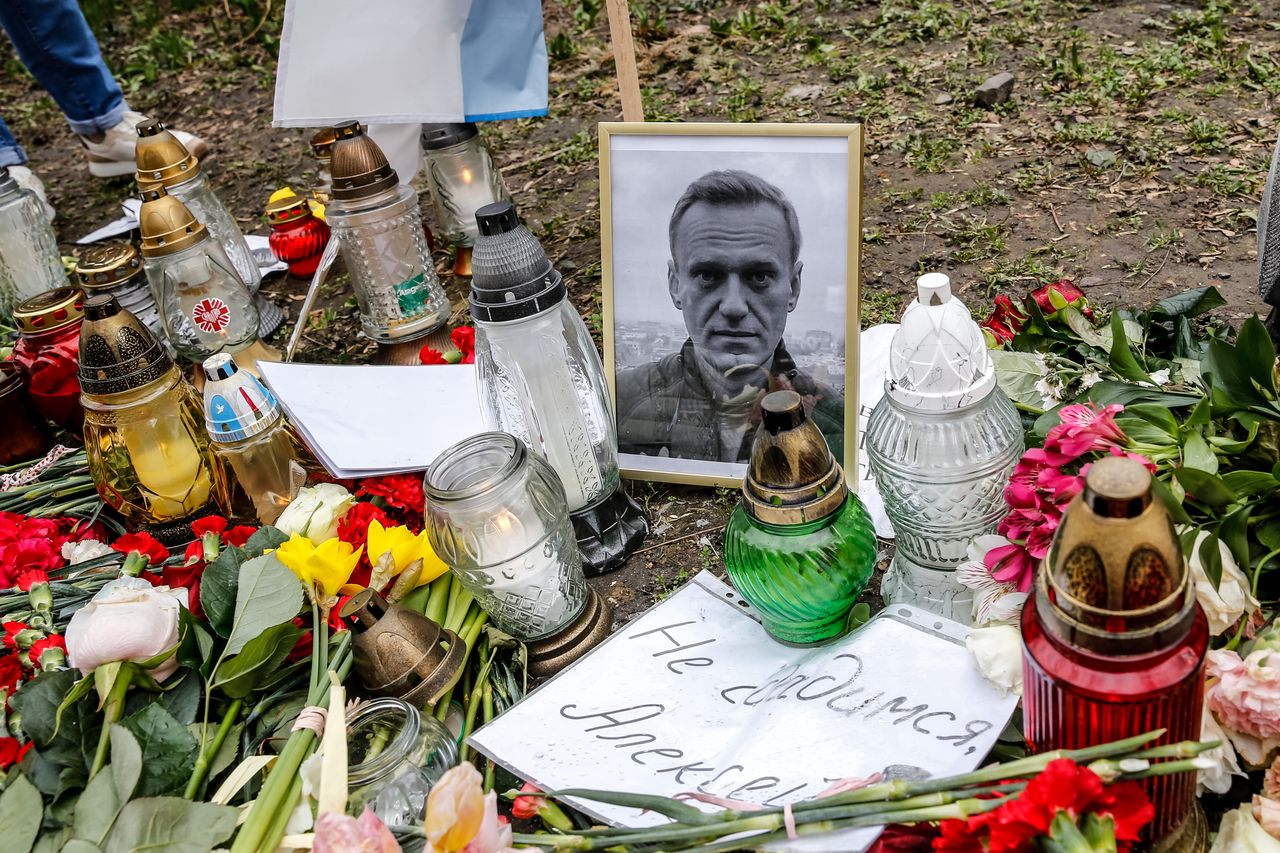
{"x": 412, "y": 295}
{"x": 211, "y": 314}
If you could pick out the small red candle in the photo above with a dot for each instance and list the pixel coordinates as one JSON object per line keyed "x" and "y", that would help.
{"x": 297, "y": 237}
{"x": 48, "y": 351}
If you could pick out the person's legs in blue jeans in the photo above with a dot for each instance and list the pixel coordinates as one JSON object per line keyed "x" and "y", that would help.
{"x": 11, "y": 153}
{"x": 55, "y": 43}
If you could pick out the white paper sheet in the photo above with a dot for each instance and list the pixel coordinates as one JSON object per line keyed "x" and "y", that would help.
{"x": 368, "y": 420}
{"x": 694, "y": 695}
{"x": 873, "y": 363}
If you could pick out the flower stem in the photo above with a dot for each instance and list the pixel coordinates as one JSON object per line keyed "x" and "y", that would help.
{"x": 113, "y": 710}
{"x": 437, "y": 601}
{"x": 206, "y": 755}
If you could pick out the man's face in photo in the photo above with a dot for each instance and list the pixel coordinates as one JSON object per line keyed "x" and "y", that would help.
{"x": 733, "y": 278}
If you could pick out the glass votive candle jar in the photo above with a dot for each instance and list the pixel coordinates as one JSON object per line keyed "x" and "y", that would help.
{"x": 463, "y": 176}
{"x": 497, "y": 516}
{"x": 394, "y": 756}
{"x": 23, "y": 434}
{"x": 48, "y": 349}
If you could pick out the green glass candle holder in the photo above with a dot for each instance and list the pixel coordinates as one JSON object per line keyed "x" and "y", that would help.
{"x": 799, "y": 548}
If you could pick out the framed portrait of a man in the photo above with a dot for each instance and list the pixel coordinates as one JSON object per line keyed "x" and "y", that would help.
{"x": 731, "y": 259}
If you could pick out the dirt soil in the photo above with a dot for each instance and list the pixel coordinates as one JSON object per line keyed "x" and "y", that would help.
{"x": 1130, "y": 157}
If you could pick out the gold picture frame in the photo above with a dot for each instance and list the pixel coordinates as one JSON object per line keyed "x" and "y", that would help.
{"x": 687, "y": 471}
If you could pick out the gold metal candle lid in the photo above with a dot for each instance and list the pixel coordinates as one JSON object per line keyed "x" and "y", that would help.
{"x": 107, "y": 264}
{"x": 792, "y": 477}
{"x": 286, "y": 208}
{"x": 359, "y": 167}
{"x": 117, "y": 352}
{"x": 166, "y": 224}
{"x": 322, "y": 143}
{"x": 53, "y": 309}
{"x": 162, "y": 161}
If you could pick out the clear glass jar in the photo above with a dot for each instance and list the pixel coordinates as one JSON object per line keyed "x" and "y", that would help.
{"x": 205, "y": 205}
{"x": 942, "y": 444}
{"x": 394, "y": 756}
{"x": 391, "y": 270}
{"x": 541, "y": 380}
{"x": 29, "y": 260}
{"x": 116, "y": 267}
{"x": 149, "y": 454}
{"x": 463, "y": 176}
{"x": 205, "y": 307}
{"x": 497, "y": 516}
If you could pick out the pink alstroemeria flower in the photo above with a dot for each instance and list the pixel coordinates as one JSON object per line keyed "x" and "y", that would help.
{"x": 1011, "y": 564}
{"x": 1085, "y": 427}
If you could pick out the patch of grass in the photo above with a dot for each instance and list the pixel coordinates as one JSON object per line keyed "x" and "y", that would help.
{"x": 561, "y": 47}
{"x": 581, "y": 148}
{"x": 1017, "y": 274}
{"x": 1163, "y": 239}
{"x": 899, "y": 21}
{"x": 975, "y": 238}
{"x": 879, "y": 306}
{"x": 744, "y": 98}
{"x": 1225, "y": 180}
{"x": 893, "y": 198}
{"x": 985, "y": 195}
{"x": 1034, "y": 176}
{"x": 941, "y": 201}
{"x": 1205, "y": 134}
{"x": 927, "y": 152}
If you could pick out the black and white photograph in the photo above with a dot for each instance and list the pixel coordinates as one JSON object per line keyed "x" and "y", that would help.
{"x": 730, "y": 272}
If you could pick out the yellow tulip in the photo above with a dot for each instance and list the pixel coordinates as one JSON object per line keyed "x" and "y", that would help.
{"x": 455, "y": 810}
{"x": 324, "y": 567}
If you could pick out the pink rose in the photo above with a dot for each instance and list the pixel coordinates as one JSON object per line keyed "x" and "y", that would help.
{"x": 337, "y": 833}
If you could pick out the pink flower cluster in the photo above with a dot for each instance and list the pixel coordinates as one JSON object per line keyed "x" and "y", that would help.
{"x": 1245, "y": 694}
{"x": 1043, "y": 483}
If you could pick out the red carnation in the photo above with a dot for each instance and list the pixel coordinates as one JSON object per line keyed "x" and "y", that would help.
{"x": 144, "y": 544}
{"x": 12, "y": 751}
{"x": 12, "y": 632}
{"x": 353, "y": 528}
{"x": 188, "y": 578}
{"x": 194, "y": 553}
{"x": 900, "y": 838}
{"x": 1067, "y": 292}
{"x": 30, "y": 578}
{"x": 209, "y": 524}
{"x": 49, "y": 652}
{"x": 10, "y": 673}
{"x": 464, "y": 338}
{"x": 239, "y": 535}
{"x": 401, "y": 491}
{"x": 427, "y": 355}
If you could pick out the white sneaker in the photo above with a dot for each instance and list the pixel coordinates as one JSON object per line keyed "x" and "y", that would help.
{"x": 28, "y": 179}
{"x": 112, "y": 156}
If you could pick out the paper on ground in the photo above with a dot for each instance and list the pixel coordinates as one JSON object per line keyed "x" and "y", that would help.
{"x": 873, "y": 364}
{"x": 694, "y": 695}
{"x": 369, "y": 420}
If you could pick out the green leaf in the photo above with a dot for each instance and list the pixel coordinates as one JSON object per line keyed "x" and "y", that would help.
{"x": 1229, "y": 377}
{"x": 258, "y": 661}
{"x": 1211, "y": 558}
{"x": 229, "y": 750}
{"x": 1234, "y": 533}
{"x": 1126, "y": 393}
{"x": 1196, "y": 454}
{"x": 1204, "y": 488}
{"x": 1171, "y": 504}
{"x": 38, "y": 700}
{"x": 218, "y": 587}
{"x": 104, "y": 678}
{"x": 1084, "y": 329}
{"x": 265, "y": 539}
{"x": 171, "y": 824}
{"x": 97, "y": 809}
{"x": 1269, "y": 534}
{"x": 1160, "y": 416}
{"x": 75, "y": 845}
{"x": 59, "y": 763}
{"x": 168, "y": 751}
{"x": 1257, "y": 354}
{"x": 126, "y": 762}
{"x": 77, "y": 692}
{"x": 1199, "y": 415}
{"x": 59, "y": 841}
{"x": 1250, "y": 483}
{"x": 195, "y": 643}
{"x": 1017, "y": 374}
{"x": 268, "y": 594}
{"x": 21, "y": 811}
{"x": 1123, "y": 362}
{"x": 1189, "y": 303}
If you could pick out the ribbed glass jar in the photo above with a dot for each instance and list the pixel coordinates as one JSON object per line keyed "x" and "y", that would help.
{"x": 205, "y": 307}
{"x": 30, "y": 263}
{"x": 942, "y": 476}
{"x": 394, "y": 755}
{"x": 497, "y": 515}
{"x": 205, "y": 205}
{"x": 464, "y": 179}
{"x": 541, "y": 381}
{"x": 390, "y": 264}
{"x": 802, "y": 578}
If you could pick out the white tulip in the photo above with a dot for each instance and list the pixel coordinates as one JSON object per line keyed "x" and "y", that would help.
{"x": 315, "y": 512}
{"x": 128, "y": 620}
{"x": 997, "y": 650}
{"x": 1231, "y": 599}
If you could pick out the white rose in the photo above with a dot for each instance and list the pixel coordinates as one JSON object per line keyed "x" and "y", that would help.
{"x": 84, "y": 550}
{"x": 128, "y": 620}
{"x": 1232, "y": 599}
{"x": 315, "y": 512}
{"x": 1240, "y": 833}
{"x": 998, "y": 652}
{"x": 1225, "y": 764}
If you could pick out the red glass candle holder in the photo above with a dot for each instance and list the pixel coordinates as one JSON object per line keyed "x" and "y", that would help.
{"x": 23, "y": 434}
{"x": 297, "y": 237}
{"x": 48, "y": 351}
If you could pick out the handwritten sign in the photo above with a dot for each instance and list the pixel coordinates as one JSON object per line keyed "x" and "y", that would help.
{"x": 695, "y": 696}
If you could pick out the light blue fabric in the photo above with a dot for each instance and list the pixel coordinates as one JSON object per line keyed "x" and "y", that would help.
{"x": 504, "y": 60}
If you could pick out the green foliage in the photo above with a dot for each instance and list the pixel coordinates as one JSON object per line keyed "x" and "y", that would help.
{"x": 20, "y": 812}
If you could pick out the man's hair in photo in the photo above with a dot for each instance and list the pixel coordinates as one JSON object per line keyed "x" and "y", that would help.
{"x": 734, "y": 186}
